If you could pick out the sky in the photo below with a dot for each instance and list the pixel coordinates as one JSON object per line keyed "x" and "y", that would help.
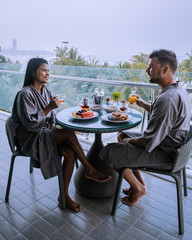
{"x": 98, "y": 27}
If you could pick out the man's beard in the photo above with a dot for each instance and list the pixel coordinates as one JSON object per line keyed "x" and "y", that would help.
{"x": 155, "y": 80}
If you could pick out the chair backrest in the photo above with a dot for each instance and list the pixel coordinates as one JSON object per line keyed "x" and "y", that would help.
{"x": 9, "y": 127}
{"x": 183, "y": 153}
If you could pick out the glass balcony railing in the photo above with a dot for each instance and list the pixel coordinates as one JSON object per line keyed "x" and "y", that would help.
{"x": 77, "y": 82}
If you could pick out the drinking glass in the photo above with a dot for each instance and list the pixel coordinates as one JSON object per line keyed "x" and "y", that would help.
{"x": 61, "y": 98}
{"x": 132, "y": 98}
{"x": 123, "y": 106}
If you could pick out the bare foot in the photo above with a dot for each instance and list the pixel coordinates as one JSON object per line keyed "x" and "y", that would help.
{"x": 97, "y": 176}
{"x": 134, "y": 196}
{"x": 137, "y": 174}
{"x": 127, "y": 191}
{"x": 71, "y": 204}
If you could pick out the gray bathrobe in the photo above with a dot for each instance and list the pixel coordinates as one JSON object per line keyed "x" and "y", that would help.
{"x": 33, "y": 129}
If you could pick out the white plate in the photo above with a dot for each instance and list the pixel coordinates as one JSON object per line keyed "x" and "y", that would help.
{"x": 96, "y": 114}
{"x": 105, "y": 117}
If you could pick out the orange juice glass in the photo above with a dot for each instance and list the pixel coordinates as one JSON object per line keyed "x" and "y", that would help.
{"x": 132, "y": 99}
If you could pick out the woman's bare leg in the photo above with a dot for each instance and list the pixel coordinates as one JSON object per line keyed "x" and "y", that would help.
{"x": 68, "y": 166}
{"x": 61, "y": 136}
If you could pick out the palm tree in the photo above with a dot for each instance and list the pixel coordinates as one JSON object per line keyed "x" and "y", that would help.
{"x": 120, "y": 64}
{"x": 105, "y": 64}
{"x": 80, "y": 61}
{"x": 61, "y": 52}
{"x": 73, "y": 53}
{"x": 92, "y": 62}
{"x": 142, "y": 58}
{"x": 186, "y": 64}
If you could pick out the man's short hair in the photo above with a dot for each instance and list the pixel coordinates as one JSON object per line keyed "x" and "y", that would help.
{"x": 165, "y": 57}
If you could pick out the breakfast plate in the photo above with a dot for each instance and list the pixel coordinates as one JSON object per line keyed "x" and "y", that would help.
{"x": 105, "y": 117}
{"x": 96, "y": 114}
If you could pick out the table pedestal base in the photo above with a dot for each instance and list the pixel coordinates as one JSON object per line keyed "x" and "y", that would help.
{"x": 90, "y": 188}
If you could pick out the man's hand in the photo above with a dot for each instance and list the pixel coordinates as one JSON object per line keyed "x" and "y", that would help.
{"x": 126, "y": 140}
{"x": 136, "y": 141}
{"x": 141, "y": 103}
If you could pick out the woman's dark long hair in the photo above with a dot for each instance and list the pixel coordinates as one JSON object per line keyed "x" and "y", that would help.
{"x": 32, "y": 67}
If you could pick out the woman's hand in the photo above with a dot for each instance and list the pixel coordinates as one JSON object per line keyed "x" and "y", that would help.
{"x": 54, "y": 103}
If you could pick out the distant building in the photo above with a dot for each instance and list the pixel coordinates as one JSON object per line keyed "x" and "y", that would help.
{"x": 14, "y": 45}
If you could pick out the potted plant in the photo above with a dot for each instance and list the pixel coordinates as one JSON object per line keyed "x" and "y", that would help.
{"x": 116, "y": 96}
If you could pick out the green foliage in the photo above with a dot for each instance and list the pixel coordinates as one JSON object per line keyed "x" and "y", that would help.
{"x": 116, "y": 96}
{"x": 186, "y": 64}
{"x": 105, "y": 64}
{"x": 3, "y": 59}
{"x": 71, "y": 57}
{"x": 139, "y": 65}
{"x": 92, "y": 62}
{"x": 124, "y": 65}
{"x": 140, "y": 58}
{"x": 61, "y": 52}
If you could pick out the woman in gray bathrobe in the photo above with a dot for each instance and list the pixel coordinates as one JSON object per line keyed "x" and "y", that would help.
{"x": 37, "y": 136}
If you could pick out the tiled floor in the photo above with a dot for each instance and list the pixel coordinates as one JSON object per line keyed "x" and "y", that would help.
{"x": 33, "y": 213}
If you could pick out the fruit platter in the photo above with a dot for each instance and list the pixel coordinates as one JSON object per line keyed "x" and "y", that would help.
{"x": 83, "y": 114}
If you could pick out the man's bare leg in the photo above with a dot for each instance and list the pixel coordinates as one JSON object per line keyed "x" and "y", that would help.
{"x": 68, "y": 166}
{"x": 61, "y": 136}
{"x": 137, "y": 174}
{"x": 137, "y": 188}
{"x": 120, "y": 137}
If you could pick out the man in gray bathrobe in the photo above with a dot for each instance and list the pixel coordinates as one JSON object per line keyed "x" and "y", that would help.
{"x": 167, "y": 128}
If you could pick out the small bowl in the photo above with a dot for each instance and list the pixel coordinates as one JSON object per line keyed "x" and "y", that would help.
{"x": 111, "y": 108}
{"x": 96, "y": 107}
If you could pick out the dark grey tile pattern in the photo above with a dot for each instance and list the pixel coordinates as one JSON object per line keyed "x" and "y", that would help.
{"x": 72, "y": 232}
{"x": 139, "y": 234}
{"x": 33, "y": 233}
{"x": 58, "y": 235}
{"x": 33, "y": 213}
